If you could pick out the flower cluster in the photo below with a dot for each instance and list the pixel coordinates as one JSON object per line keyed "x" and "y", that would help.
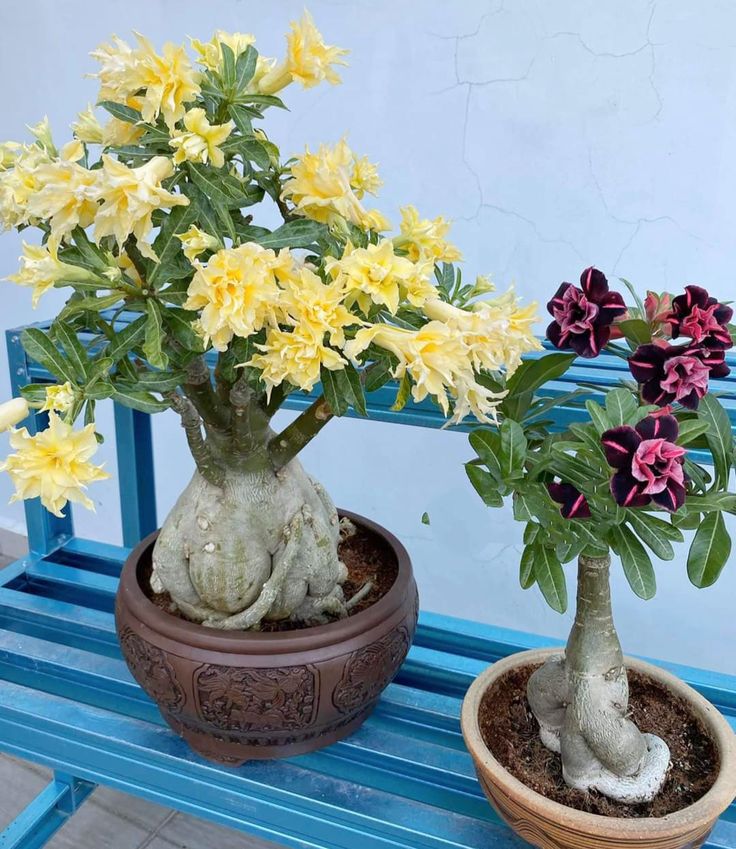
{"x": 150, "y": 213}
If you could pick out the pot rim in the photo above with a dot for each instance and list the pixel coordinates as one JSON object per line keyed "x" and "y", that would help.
{"x": 707, "y": 809}
{"x": 254, "y": 642}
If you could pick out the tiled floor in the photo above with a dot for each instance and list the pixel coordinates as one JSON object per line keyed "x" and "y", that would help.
{"x": 112, "y": 820}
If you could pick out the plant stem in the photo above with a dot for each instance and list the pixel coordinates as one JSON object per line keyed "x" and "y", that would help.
{"x": 191, "y": 422}
{"x": 198, "y": 388}
{"x": 292, "y": 439}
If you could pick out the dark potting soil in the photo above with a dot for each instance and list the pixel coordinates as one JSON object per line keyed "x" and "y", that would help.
{"x": 511, "y": 732}
{"x": 368, "y": 557}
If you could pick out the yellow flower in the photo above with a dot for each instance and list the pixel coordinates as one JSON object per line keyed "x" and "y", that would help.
{"x": 168, "y": 80}
{"x": 87, "y": 128}
{"x": 59, "y": 398}
{"x": 196, "y": 242}
{"x": 437, "y": 360}
{"x": 53, "y": 465}
{"x": 40, "y": 268}
{"x": 316, "y": 307}
{"x": 308, "y": 59}
{"x": 8, "y": 154}
{"x": 12, "y": 412}
{"x": 67, "y": 196}
{"x": 18, "y": 185}
{"x": 210, "y": 52}
{"x": 497, "y": 331}
{"x": 42, "y": 131}
{"x": 130, "y": 195}
{"x": 237, "y": 292}
{"x": 376, "y": 275}
{"x": 295, "y": 357}
{"x": 422, "y": 237}
{"x": 364, "y": 177}
{"x": 321, "y": 188}
{"x": 201, "y": 142}
{"x": 117, "y": 133}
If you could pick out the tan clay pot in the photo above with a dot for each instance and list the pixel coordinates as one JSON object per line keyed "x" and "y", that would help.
{"x": 549, "y": 825}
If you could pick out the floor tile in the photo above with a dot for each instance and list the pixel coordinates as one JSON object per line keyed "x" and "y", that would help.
{"x": 187, "y": 832}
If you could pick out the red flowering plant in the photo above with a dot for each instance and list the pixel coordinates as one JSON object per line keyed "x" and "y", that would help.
{"x": 640, "y": 462}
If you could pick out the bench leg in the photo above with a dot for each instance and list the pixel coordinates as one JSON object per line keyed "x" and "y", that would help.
{"x": 46, "y": 814}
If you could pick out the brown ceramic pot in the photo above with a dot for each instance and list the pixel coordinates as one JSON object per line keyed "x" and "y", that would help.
{"x": 238, "y": 695}
{"x": 550, "y": 825}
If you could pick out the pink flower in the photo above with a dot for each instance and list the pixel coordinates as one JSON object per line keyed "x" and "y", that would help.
{"x": 648, "y": 463}
{"x": 702, "y": 318}
{"x": 573, "y": 503}
{"x": 656, "y": 309}
{"x": 583, "y": 316}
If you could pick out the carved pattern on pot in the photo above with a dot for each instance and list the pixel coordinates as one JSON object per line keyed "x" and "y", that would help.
{"x": 152, "y": 670}
{"x": 368, "y": 671}
{"x": 236, "y": 699}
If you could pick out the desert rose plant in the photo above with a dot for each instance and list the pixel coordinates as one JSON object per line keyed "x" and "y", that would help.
{"x": 151, "y": 215}
{"x": 618, "y": 480}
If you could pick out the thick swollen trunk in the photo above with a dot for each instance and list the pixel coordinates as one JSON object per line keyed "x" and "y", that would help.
{"x": 581, "y": 702}
{"x": 261, "y": 546}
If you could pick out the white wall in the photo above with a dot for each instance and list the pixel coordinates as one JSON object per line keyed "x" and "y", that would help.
{"x": 556, "y": 133}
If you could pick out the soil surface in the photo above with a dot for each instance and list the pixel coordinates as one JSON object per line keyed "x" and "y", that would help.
{"x": 368, "y": 557}
{"x": 511, "y": 732}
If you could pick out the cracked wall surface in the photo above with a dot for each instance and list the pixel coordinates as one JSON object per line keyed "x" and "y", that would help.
{"x": 556, "y": 134}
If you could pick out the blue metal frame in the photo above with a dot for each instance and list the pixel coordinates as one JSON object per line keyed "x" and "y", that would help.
{"x": 404, "y": 780}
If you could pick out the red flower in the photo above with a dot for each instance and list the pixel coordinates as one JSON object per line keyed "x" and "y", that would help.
{"x": 702, "y": 318}
{"x": 648, "y": 463}
{"x": 583, "y": 316}
{"x": 657, "y": 308}
{"x": 670, "y": 373}
{"x": 574, "y": 503}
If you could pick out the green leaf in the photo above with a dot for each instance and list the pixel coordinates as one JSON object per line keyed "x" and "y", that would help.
{"x": 713, "y": 501}
{"x": 636, "y": 330}
{"x": 544, "y": 405}
{"x": 353, "y": 389}
{"x": 402, "y": 395}
{"x": 635, "y": 560}
{"x": 425, "y": 518}
{"x": 122, "y": 113}
{"x": 126, "y": 339}
{"x": 332, "y": 392}
{"x": 621, "y": 407}
{"x": 653, "y": 532}
{"x": 487, "y": 445}
{"x": 709, "y": 551}
{"x": 690, "y": 430}
{"x": 513, "y": 449}
{"x": 718, "y": 435}
{"x": 90, "y": 255}
{"x": 178, "y": 322}
{"x": 634, "y": 294}
{"x": 228, "y": 66}
{"x": 377, "y": 374}
{"x": 242, "y": 120}
{"x": 77, "y": 354}
{"x": 526, "y": 568}
{"x": 245, "y": 67}
{"x": 34, "y": 393}
{"x": 293, "y": 234}
{"x": 153, "y": 338}
{"x": 484, "y": 484}
{"x": 166, "y": 244}
{"x": 89, "y": 304}
{"x": 550, "y": 576}
{"x": 144, "y": 402}
{"x": 42, "y": 350}
{"x": 530, "y": 376}
{"x": 599, "y": 416}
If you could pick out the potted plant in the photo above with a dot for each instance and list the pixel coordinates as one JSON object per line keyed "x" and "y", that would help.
{"x": 260, "y": 622}
{"x": 563, "y": 752}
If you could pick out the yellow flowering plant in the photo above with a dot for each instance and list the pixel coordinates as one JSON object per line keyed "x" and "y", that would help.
{"x": 150, "y": 215}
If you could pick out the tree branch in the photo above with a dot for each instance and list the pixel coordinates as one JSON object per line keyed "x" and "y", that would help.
{"x": 198, "y": 388}
{"x": 191, "y": 422}
{"x": 249, "y": 422}
{"x": 287, "y": 444}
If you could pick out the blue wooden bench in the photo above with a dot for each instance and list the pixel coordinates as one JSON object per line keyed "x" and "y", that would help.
{"x": 67, "y": 700}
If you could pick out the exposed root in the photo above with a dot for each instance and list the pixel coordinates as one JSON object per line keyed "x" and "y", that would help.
{"x": 360, "y": 595}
